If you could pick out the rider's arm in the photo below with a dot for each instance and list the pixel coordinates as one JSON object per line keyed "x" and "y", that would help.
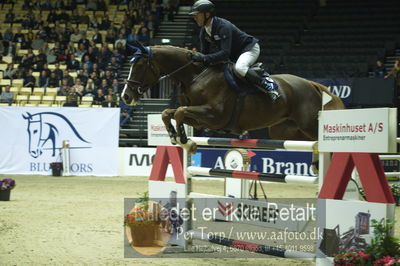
{"x": 225, "y": 35}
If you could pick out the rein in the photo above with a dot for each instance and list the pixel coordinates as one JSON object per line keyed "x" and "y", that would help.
{"x": 139, "y": 84}
{"x": 176, "y": 71}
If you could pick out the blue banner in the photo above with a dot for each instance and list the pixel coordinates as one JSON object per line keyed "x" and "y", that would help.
{"x": 273, "y": 162}
{"x": 341, "y": 87}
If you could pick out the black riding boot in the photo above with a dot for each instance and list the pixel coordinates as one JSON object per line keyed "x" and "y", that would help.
{"x": 260, "y": 82}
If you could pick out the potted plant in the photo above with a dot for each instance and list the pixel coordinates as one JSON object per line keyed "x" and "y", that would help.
{"x": 6, "y": 185}
{"x": 384, "y": 248}
{"x": 143, "y": 222}
{"x": 395, "y": 188}
{"x": 56, "y": 168}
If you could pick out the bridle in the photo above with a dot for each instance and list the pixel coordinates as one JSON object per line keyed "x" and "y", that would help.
{"x": 140, "y": 89}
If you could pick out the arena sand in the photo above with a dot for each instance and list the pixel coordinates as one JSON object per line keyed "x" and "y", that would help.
{"x": 79, "y": 221}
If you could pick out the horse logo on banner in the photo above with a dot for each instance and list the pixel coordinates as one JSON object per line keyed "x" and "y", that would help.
{"x": 43, "y": 131}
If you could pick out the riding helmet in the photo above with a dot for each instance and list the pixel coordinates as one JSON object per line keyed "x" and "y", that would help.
{"x": 202, "y": 6}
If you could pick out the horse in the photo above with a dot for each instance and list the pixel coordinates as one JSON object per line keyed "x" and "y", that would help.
{"x": 207, "y": 100}
{"x": 43, "y": 132}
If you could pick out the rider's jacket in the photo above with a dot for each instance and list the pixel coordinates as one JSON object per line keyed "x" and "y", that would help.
{"x": 226, "y": 41}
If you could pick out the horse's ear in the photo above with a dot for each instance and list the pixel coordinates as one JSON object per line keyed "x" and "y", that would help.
{"x": 28, "y": 116}
{"x": 134, "y": 48}
{"x": 140, "y": 47}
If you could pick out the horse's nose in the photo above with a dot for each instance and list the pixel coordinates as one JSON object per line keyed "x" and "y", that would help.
{"x": 126, "y": 97}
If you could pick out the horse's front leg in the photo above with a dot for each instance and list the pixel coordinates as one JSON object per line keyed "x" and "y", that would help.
{"x": 167, "y": 115}
{"x": 199, "y": 116}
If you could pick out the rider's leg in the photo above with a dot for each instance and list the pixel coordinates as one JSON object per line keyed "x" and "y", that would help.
{"x": 242, "y": 67}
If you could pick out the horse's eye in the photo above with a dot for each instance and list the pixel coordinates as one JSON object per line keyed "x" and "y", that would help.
{"x": 35, "y": 131}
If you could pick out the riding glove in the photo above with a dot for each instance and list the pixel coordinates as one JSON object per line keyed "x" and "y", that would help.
{"x": 197, "y": 57}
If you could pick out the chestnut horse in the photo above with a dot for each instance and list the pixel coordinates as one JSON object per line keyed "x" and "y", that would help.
{"x": 207, "y": 101}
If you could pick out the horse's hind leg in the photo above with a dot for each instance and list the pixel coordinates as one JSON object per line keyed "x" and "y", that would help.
{"x": 287, "y": 130}
{"x": 167, "y": 115}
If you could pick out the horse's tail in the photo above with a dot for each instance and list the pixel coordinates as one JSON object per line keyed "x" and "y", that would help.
{"x": 335, "y": 104}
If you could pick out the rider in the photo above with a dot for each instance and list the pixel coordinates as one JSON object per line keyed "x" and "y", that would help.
{"x": 220, "y": 40}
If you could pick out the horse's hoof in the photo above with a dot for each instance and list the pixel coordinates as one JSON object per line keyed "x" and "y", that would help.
{"x": 173, "y": 141}
{"x": 192, "y": 147}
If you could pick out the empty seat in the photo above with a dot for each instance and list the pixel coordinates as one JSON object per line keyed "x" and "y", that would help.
{"x": 51, "y": 91}
{"x": 22, "y": 99}
{"x": 38, "y": 91}
{"x": 60, "y": 100}
{"x": 35, "y": 99}
{"x": 25, "y": 91}
{"x": 87, "y": 100}
{"x": 48, "y": 99}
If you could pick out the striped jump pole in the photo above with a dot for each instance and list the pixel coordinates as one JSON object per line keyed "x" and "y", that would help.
{"x": 194, "y": 170}
{"x": 258, "y": 143}
{"x": 257, "y": 248}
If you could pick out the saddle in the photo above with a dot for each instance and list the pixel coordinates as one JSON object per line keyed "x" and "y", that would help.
{"x": 242, "y": 85}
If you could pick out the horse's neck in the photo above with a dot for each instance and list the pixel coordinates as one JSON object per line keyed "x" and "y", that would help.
{"x": 170, "y": 61}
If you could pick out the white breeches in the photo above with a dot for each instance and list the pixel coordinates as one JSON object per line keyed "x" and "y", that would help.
{"x": 247, "y": 59}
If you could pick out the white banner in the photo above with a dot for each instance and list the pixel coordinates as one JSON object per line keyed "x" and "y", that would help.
{"x": 138, "y": 162}
{"x": 358, "y": 130}
{"x": 157, "y": 134}
{"x": 31, "y": 138}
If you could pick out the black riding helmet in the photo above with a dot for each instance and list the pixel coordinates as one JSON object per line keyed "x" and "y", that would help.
{"x": 202, "y": 6}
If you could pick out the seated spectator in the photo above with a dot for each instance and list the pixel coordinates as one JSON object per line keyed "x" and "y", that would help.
{"x": 90, "y": 88}
{"x": 120, "y": 52}
{"x": 42, "y": 80}
{"x": 52, "y": 17}
{"x": 72, "y": 98}
{"x": 395, "y": 72}
{"x": 109, "y": 75}
{"x": 51, "y": 57}
{"x": 19, "y": 37}
{"x": 63, "y": 90}
{"x": 82, "y": 77}
{"x": 8, "y": 37}
{"x": 92, "y": 52}
{"x": 67, "y": 76}
{"x": 110, "y": 36}
{"x": 109, "y": 102}
{"x": 86, "y": 61}
{"x": 97, "y": 37}
{"x": 84, "y": 41}
{"x": 10, "y": 72}
{"x": 91, "y": 5}
{"x": 105, "y": 23}
{"x": 379, "y": 69}
{"x": 78, "y": 88}
{"x": 10, "y": 50}
{"x": 126, "y": 111}
{"x": 29, "y": 79}
{"x": 10, "y": 16}
{"x": 72, "y": 63}
{"x": 95, "y": 68}
{"x": 99, "y": 97}
{"x": 113, "y": 65}
{"x": 104, "y": 86}
{"x": 143, "y": 36}
{"x": 83, "y": 18}
{"x": 96, "y": 79}
{"x": 121, "y": 39}
{"x": 75, "y": 36}
{"x": 58, "y": 71}
{"x": 6, "y": 95}
{"x": 80, "y": 51}
{"x": 53, "y": 81}
{"x": 115, "y": 87}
